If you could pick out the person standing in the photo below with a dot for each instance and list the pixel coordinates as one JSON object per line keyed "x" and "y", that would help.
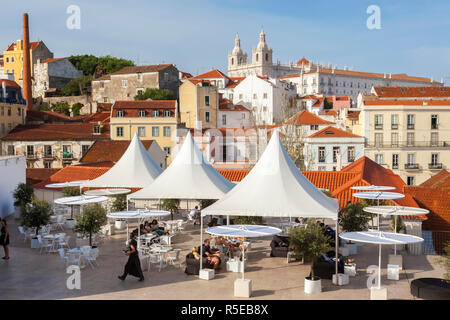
{"x": 4, "y": 238}
{"x": 195, "y": 214}
{"x": 133, "y": 265}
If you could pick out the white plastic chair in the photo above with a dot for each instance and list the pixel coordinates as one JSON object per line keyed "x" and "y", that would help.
{"x": 44, "y": 243}
{"x": 60, "y": 222}
{"x": 155, "y": 258}
{"x": 173, "y": 257}
{"x": 62, "y": 254}
{"x": 63, "y": 242}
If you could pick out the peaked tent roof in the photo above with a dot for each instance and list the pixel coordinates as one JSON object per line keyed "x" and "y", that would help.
{"x": 275, "y": 188}
{"x": 189, "y": 176}
{"x": 135, "y": 169}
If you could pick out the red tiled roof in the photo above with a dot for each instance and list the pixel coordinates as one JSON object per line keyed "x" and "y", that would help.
{"x": 9, "y": 83}
{"x": 233, "y": 175}
{"x": 102, "y": 117}
{"x": 353, "y": 115}
{"x": 412, "y": 92}
{"x": 34, "y": 175}
{"x": 305, "y": 117}
{"x": 67, "y": 131}
{"x": 73, "y": 173}
{"x": 211, "y": 75}
{"x": 33, "y": 45}
{"x": 407, "y": 102}
{"x": 303, "y": 60}
{"x": 333, "y": 132}
{"x": 234, "y": 81}
{"x": 318, "y": 103}
{"x": 109, "y": 150}
{"x": 131, "y": 108}
{"x": 227, "y": 105}
{"x": 51, "y": 60}
{"x": 185, "y": 75}
{"x": 52, "y": 116}
{"x": 103, "y": 106}
{"x": 440, "y": 180}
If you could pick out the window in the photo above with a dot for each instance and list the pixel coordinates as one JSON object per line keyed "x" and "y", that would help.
{"x": 119, "y": 132}
{"x": 141, "y": 113}
{"x": 166, "y": 131}
{"x": 167, "y": 113}
{"x": 12, "y": 59}
{"x": 395, "y": 161}
{"x": 378, "y": 121}
{"x": 48, "y": 151}
{"x": 314, "y": 127}
{"x": 9, "y": 112}
{"x": 3, "y": 129}
{"x": 321, "y": 154}
{"x": 166, "y": 76}
{"x": 11, "y": 150}
{"x": 102, "y": 84}
{"x": 434, "y": 121}
{"x": 84, "y": 149}
{"x": 267, "y": 57}
{"x": 97, "y": 129}
{"x": 139, "y": 76}
{"x": 394, "y": 139}
{"x": 410, "y": 139}
{"x": 336, "y": 152}
{"x": 394, "y": 121}
{"x": 119, "y": 114}
{"x": 434, "y": 139}
{"x": 257, "y": 56}
{"x": 322, "y": 168}
{"x": 19, "y": 111}
{"x": 47, "y": 164}
{"x": 167, "y": 150}
{"x": 410, "y": 181}
{"x": 30, "y": 150}
{"x": 3, "y": 111}
{"x": 9, "y": 127}
{"x": 410, "y": 118}
{"x": 255, "y": 96}
{"x": 124, "y": 83}
{"x": 243, "y": 115}
{"x": 141, "y": 132}
{"x": 434, "y": 159}
{"x": 230, "y": 96}
{"x": 207, "y": 116}
{"x": 351, "y": 154}
{"x": 379, "y": 158}
{"x": 240, "y": 96}
{"x": 206, "y": 100}
{"x": 224, "y": 119}
{"x": 378, "y": 140}
{"x": 105, "y": 99}
{"x": 411, "y": 159}
{"x": 264, "y": 95}
{"x": 155, "y": 131}
{"x": 155, "y": 113}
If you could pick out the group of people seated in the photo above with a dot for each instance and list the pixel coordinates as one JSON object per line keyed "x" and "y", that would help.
{"x": 148, "y": 227}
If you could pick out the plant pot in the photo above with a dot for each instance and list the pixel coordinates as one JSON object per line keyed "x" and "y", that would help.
{"x": 70, "y": 223}
{"x": 34, "y": 243}
{"x": 119, "y": 225}
{"x": 313, "y": 286}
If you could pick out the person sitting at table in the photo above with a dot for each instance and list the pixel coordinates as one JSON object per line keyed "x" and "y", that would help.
{"x": 195, "y": 253}
{"x": 156, "y": 228}
{"x": 212, "y": 255}
{"x": 142, "y": 229}
{"x": 232, "y": 246}
{"x": 147, "y": 226}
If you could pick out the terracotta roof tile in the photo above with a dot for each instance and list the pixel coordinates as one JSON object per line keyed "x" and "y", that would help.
{"x": 36, "y": 175}
{"x": 33, "y": 45}
{"x": 333, "y": 132}
{"x": 51, "y": 60}
{"x": 412, "y": 92}
{"x": 305, "y": 117}
{"x": 9, "y": 83}
{"x": 407, "y": 102}
{"x": 109, "y": 150}
{"x": 440, "y": 180}
{"x": 210, "y": 75}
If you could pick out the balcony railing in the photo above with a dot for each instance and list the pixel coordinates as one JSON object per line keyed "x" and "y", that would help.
{"x": 378, "y": 126}
{"x": 395, "y": 166}
{"x": 435, "y": 166}
{"x": 67, "y": 156}
{"x": 408, "y": 144}
{"x": 411, "y": 166}
{"x": 32, "y": 156}
{"x": 410, "y": 126}
{"x": 49, "y": 155}
{"x": 321, "y": 160}
{"x": 394, "y": 126}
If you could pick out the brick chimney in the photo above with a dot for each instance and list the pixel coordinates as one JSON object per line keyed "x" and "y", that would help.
{"x": 26, "y": 80}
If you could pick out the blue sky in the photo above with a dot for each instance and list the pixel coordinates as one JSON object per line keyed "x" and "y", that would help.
{"x": 196, "y": 35}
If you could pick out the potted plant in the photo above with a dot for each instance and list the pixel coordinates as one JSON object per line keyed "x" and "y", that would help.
{"x": 71, "y": 192}
{"x": 90, "y": 220}
{"x": 23, "y": 195}
{"x": 401, "y": 228}
{"x": 310, "y": 243}
{"x": 36, "y": 215}
{"x": 171, "y": 205}
{"x": 354, "y": 219}
{"x": 119, "y": 204}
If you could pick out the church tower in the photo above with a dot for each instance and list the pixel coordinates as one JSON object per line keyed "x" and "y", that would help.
{"x": 262, "y": 57}
{"x": 237, "y": 59}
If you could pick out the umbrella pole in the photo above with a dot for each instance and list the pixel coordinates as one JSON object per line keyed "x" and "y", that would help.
{"x": 395, "y": 246}
{"x": 337, "y": 249}
{"x": 243, "y": 259}
{"x": 379, "y": 266}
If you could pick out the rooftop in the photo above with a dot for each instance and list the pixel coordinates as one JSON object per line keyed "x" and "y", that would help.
{"x": 305, "y": 117}
{"x": 135, "y": 69}
{"x": 109, "y": 150}
{"x": 333, "y": 132}
{"x": 412, "y": 92}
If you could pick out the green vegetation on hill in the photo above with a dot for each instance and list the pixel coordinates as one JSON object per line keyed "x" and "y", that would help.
{"x": 156, "y": 94}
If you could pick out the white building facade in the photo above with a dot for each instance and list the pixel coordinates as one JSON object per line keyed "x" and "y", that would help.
{"x": 12, "y": 172}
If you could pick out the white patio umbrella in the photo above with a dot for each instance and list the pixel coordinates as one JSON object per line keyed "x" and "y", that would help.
{"x": 378, "y": 195}
{"x": 372, "y": 188}
{"x": 396, "y": 211}
{"x": 137, "y": 214}
{"x": 244, "y": 231}
{"x": 78, "y": 201}
{"x": 77, "y": 183}
{"x": 106, "y": 192}
{"x": 380, "y": 238}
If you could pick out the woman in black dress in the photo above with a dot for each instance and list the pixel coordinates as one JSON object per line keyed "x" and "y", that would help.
{"x": 133, "y": 265}
{"x": 4, "y": 238}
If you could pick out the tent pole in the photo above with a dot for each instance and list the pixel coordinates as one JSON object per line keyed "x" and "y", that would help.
{"x": 337, "y": 249}
{"x": 201, "y": 242}
{"x": 243, "y": 259}
{"x": 379, "y": 266}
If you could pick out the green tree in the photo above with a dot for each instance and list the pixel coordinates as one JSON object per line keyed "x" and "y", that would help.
{"x": 119, "y": 203}
{"x": 90, "y": 220}
{"x": 71, "y": 191}
{"x": 248, "y": 220}
{"x": 76, "y": 107}
{"x": 400, "y": 225}
{"x": 171, "y": 205}
{"x": 61, "y": 107}
{"x": 354, "y": 218}
{"x": 23, "y": 195}
{"x": 78, "y": 86}
{"x": 36, "y": 214}
{"x": 445, "y": 261}
{"x": 309, "y": 242}
{"x": 90, "y": 64}
{"x": 156, "y": 94}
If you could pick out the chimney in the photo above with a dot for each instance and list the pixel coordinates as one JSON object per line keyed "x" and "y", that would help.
{"x": 26, "y": 81}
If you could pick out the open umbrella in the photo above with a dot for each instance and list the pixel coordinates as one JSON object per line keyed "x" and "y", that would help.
{"x": 78, "y": 201}
{"x": 380, "y": 238}
{"x": 372, "y": 188}
{"x": 106, "y": 192}
{"x": 244, "y": 231}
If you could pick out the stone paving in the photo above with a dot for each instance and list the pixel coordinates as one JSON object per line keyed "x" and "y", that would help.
{"x": 29, "y": 275}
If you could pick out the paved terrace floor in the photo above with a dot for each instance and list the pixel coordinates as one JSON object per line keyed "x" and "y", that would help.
{"x": 29, "y": 275}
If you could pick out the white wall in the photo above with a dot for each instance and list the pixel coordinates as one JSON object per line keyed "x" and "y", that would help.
{"x": 12, "y": 172}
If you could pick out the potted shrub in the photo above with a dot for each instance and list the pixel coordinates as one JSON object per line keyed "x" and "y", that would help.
{"x": 23, "y": 195}
{"x": 36, "y": 215}
{"x": 71, "y": 192}
{"x": 90, "y": 220}
{"x": 310, "y": 243}
{"x": 354, "y": 219}
{"x": 171, "y": 205}
{"x": 119, "y": 204}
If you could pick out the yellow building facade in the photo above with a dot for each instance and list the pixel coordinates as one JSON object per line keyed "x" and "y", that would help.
{"x": 410, "y": 137}
{"x": 151, "y": 120}
{"x": 199, "y": 103}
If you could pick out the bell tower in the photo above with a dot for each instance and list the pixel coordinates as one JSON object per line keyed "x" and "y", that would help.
{"x": 262, "y": 57}
{"x": 237, "y": 59}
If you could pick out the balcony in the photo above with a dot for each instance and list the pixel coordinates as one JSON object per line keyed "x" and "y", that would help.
{"x": 321, "y": 160}
{"x": 435, "y": 166}
{"x": 408, "y": 144}
{"x": 48, "y": 156}
{"x": 394, "y": 126}
{"x": 67, "y": 157}
{"x": 395, "y": 166}
{"x": 410, "y": 126}
{"x": 412, "y": 166}
{"x": 378, "y": 127}
{"x": 32, "y": 156}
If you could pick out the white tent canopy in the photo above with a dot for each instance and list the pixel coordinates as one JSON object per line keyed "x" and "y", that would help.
{"x": 275, "y": 187}
{"x": 189, "y": 176}
{"x": 135, "y": 169}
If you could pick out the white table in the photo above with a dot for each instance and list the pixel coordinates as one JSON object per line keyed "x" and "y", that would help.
{"x": 52, "y": 238}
